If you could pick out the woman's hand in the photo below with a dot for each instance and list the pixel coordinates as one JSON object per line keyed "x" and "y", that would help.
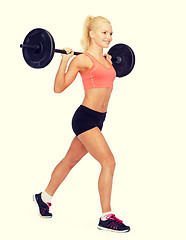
{"x": 69, "y": 53}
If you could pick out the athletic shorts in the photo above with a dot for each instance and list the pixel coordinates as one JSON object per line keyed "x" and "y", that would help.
{"x": 85, "y": 119}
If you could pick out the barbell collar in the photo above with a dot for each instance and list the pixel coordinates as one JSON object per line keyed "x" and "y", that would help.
{"x": 29, "y": 46}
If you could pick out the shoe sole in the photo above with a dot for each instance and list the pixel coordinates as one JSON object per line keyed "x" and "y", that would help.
{"x": 112, "y": 230}
{"x": 35, "y": 201}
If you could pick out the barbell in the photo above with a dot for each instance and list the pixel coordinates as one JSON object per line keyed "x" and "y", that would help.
{"x": 38, "y": 49}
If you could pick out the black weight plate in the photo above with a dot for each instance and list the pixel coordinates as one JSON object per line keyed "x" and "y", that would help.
{"x": 127, "y": 59}
{"x": 42, "y": 56}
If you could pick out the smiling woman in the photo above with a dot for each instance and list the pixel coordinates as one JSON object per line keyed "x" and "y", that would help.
{"x": 92, "y": 24}
{"x": 98, "y": 76}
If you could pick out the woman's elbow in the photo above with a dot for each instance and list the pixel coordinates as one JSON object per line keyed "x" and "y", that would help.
{"x": 57, "y": 90}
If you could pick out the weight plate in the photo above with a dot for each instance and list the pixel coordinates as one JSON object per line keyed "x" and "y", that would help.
{"x": 43, "y": 48}
{"x": 126, "y": 57}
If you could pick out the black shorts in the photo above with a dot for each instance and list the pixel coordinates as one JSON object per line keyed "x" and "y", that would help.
{"x": 85, "y": 119}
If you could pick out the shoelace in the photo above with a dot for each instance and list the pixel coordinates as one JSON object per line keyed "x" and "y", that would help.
{"x": 49, "y": 204}
{"x": 113, "y": 217}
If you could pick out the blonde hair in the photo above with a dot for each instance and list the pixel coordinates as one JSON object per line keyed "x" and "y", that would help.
{"x": 89, "y": 25}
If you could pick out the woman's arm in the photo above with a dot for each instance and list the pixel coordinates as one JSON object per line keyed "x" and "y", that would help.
{"x": 62, "y": 79}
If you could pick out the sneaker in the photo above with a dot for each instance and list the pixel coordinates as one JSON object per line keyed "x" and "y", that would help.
{"x": 43, "y": 207}
{"x": 113, "y": 224}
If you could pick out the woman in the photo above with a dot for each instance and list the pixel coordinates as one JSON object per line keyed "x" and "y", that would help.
{"x": 98, "y": 76}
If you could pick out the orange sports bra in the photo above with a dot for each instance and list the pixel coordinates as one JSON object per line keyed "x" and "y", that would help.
{"x": 98, "y": 76}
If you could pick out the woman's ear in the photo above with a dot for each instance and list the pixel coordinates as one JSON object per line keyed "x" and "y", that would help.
{"x": 91, "y": 34}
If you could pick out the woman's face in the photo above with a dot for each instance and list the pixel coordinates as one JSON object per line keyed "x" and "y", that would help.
{"x": 102, "y": 35}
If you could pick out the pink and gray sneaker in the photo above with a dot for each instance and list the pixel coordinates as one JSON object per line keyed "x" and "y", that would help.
{"x": 113, "y": 224}
{"x": 43, "y": 207}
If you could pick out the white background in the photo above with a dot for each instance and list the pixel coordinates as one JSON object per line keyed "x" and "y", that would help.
{"x": 145, "y": 125}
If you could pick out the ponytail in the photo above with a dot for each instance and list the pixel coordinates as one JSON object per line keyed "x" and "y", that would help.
{"x": 90, "y": 24}
{"x": 86, "y": 38}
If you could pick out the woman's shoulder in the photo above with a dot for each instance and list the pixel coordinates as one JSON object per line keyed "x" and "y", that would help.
{"x": 81, "y": 57}
{"x": 82, "y": 60}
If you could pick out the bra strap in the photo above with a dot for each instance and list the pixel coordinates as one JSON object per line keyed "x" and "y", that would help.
{"x": 90, "y": 56}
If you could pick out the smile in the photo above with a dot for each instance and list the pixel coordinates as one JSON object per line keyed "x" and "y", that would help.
{"x": 108, "y": 42}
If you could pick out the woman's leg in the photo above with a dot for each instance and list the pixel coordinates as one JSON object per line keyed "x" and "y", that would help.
{"x": 73, "y": 156}
{"x": 96, "y": 145}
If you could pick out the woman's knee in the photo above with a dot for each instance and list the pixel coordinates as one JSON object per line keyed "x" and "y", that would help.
{"x": 73, "y": 158}
{"x": 72, "y": 161}
{"x": 108, "y": 162}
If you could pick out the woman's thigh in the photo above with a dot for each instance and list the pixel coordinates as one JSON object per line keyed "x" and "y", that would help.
{"x": 95, "y": 143}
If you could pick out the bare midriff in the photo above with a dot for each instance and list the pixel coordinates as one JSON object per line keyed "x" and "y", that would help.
{"x": 97, "y": 99}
